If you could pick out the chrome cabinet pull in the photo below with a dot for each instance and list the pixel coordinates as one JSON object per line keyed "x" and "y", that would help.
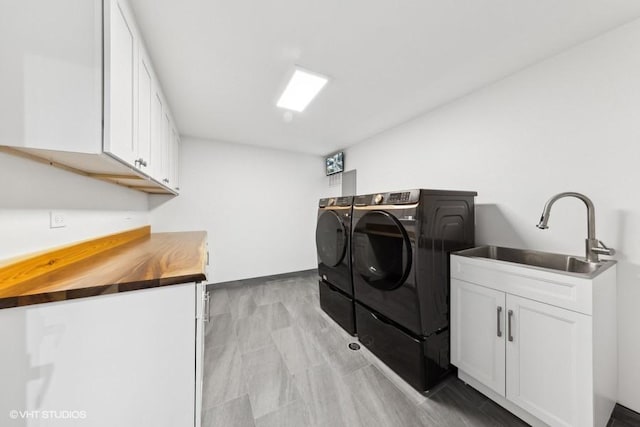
{"x": 498, "y": 315}
{"x": 207, "y": 306}
{"x": 510, "y": 313}
{"x": 141, "y": 162}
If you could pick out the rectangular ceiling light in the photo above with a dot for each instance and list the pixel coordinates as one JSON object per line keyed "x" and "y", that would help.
{"x": 301, "y": 89}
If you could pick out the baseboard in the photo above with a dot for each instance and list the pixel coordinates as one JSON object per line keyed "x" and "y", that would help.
{"x": 253, "y": 280}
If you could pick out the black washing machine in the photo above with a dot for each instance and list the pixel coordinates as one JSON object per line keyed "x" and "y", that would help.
{"x": 400, "y": 257}
{"x": 333, "y": 243}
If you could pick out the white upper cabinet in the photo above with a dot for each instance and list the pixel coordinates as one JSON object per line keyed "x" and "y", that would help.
{"x": 146, "y": 97}
{"x": 51, "y": 75}
{"x": 157, "y": 135}
{"x": 83, "y": 84}
{"x": 174, "y": 158}
{"x": 121, "y": 82}
{"x": 166, "y": 150}
{"x": 134, "y": 101}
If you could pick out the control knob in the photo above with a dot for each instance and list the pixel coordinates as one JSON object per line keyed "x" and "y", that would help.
{"x": 332, "y": 202}
{"x": 378, "y": 199}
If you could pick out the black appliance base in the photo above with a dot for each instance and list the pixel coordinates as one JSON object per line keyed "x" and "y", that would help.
{"x": 421, "y": 361}
{"x": 338, "y": 306}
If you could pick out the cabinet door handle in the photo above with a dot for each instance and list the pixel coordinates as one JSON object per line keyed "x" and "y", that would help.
{"x": 510, "y": 316}
{"x": 207, "y": 307}
{"x": 499, "y": 315}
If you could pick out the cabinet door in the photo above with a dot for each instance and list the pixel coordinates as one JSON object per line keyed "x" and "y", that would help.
{"x": 121, "y": 58}
{"x": 145, "y": 107}
{"x": 202, "y": 317}
{"x": 51, "y": 75}
{"x": 125, "y": 360}
{"x": 478, "y": 333}
{"x": 157, "y": 135}
{"x": 166, "y": 150}
{"x": 174, "y": 160}
{"x": 549, "y": 362}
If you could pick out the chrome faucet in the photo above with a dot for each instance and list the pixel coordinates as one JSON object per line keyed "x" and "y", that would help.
{"x": 594, "y": 247}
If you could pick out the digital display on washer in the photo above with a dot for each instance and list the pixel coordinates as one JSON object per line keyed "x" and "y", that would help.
{"x": 399, "y": 197}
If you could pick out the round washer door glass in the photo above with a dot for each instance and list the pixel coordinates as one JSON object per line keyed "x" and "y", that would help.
{"x": 381, "y": 250}
{"x": 331, "y": 239}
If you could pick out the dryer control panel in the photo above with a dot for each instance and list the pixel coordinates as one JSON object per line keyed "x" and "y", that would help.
{"x": 391, "y": 198}
{"x": 399, "y": 197}
{"x": 335, "y": 201}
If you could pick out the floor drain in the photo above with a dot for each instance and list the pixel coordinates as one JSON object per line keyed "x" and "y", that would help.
{"x": 354, "y": 346}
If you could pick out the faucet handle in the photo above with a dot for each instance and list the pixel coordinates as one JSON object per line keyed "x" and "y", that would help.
{"x": 602, "y": 249}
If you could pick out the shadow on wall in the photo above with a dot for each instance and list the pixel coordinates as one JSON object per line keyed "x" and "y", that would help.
{"x": 622, "y": 226}
{"x": 157, "y": 200}
{"x": 628, "y": 289}
{"x": 493, "y": 228}
{"x": 39, "y": 186}
{"x": 628, "y": 271}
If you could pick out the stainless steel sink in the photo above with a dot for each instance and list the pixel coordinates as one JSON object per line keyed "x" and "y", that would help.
{"x": 567, "y": 264}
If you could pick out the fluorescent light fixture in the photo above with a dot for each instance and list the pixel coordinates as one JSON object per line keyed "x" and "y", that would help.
{"x": 301, "y": 89}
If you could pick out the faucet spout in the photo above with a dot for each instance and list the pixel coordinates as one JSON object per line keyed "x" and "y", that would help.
{"x": 594, "y": 247}
{"x": 542, "y": 225}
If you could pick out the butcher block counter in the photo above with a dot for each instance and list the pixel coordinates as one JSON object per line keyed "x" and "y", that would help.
{"x": 107, "y": 332}
{"x": 120, "y": 262}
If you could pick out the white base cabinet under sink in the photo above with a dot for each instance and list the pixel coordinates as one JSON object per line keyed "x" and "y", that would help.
{"x": 541, "y": 344}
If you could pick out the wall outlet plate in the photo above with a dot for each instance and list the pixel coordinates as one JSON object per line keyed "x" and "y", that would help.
{"x": 57, "y": 219}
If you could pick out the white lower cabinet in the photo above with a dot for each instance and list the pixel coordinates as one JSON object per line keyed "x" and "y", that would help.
{"x": 547, "y": 364}
{"x": 477, "y": 316}
{"x": 202, "y": 318}
{"x": 129, "y": 359}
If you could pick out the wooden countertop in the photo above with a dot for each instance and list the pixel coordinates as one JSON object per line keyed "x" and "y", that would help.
{"x": 146, "y": 261}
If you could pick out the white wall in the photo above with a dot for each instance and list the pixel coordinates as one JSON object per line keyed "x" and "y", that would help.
{"x": 258, "y": 206}
{"x": 92, "y": 208}
{"x": 570, "y": 123}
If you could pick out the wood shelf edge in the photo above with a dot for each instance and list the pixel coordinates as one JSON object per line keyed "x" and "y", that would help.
{"x": 30, "y": 266}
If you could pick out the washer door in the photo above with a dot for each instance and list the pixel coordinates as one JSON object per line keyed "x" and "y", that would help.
{"x": 331, "y": 239}
{"x": 381, "y": 250}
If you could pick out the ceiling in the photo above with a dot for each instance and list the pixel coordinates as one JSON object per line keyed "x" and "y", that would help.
{"x": 223, "y": 64}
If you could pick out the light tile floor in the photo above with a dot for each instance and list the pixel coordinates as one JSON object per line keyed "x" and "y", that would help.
{"x": 273, "y": 358}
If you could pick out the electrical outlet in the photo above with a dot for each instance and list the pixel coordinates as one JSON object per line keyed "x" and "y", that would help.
{"x": 57, "y": 219}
